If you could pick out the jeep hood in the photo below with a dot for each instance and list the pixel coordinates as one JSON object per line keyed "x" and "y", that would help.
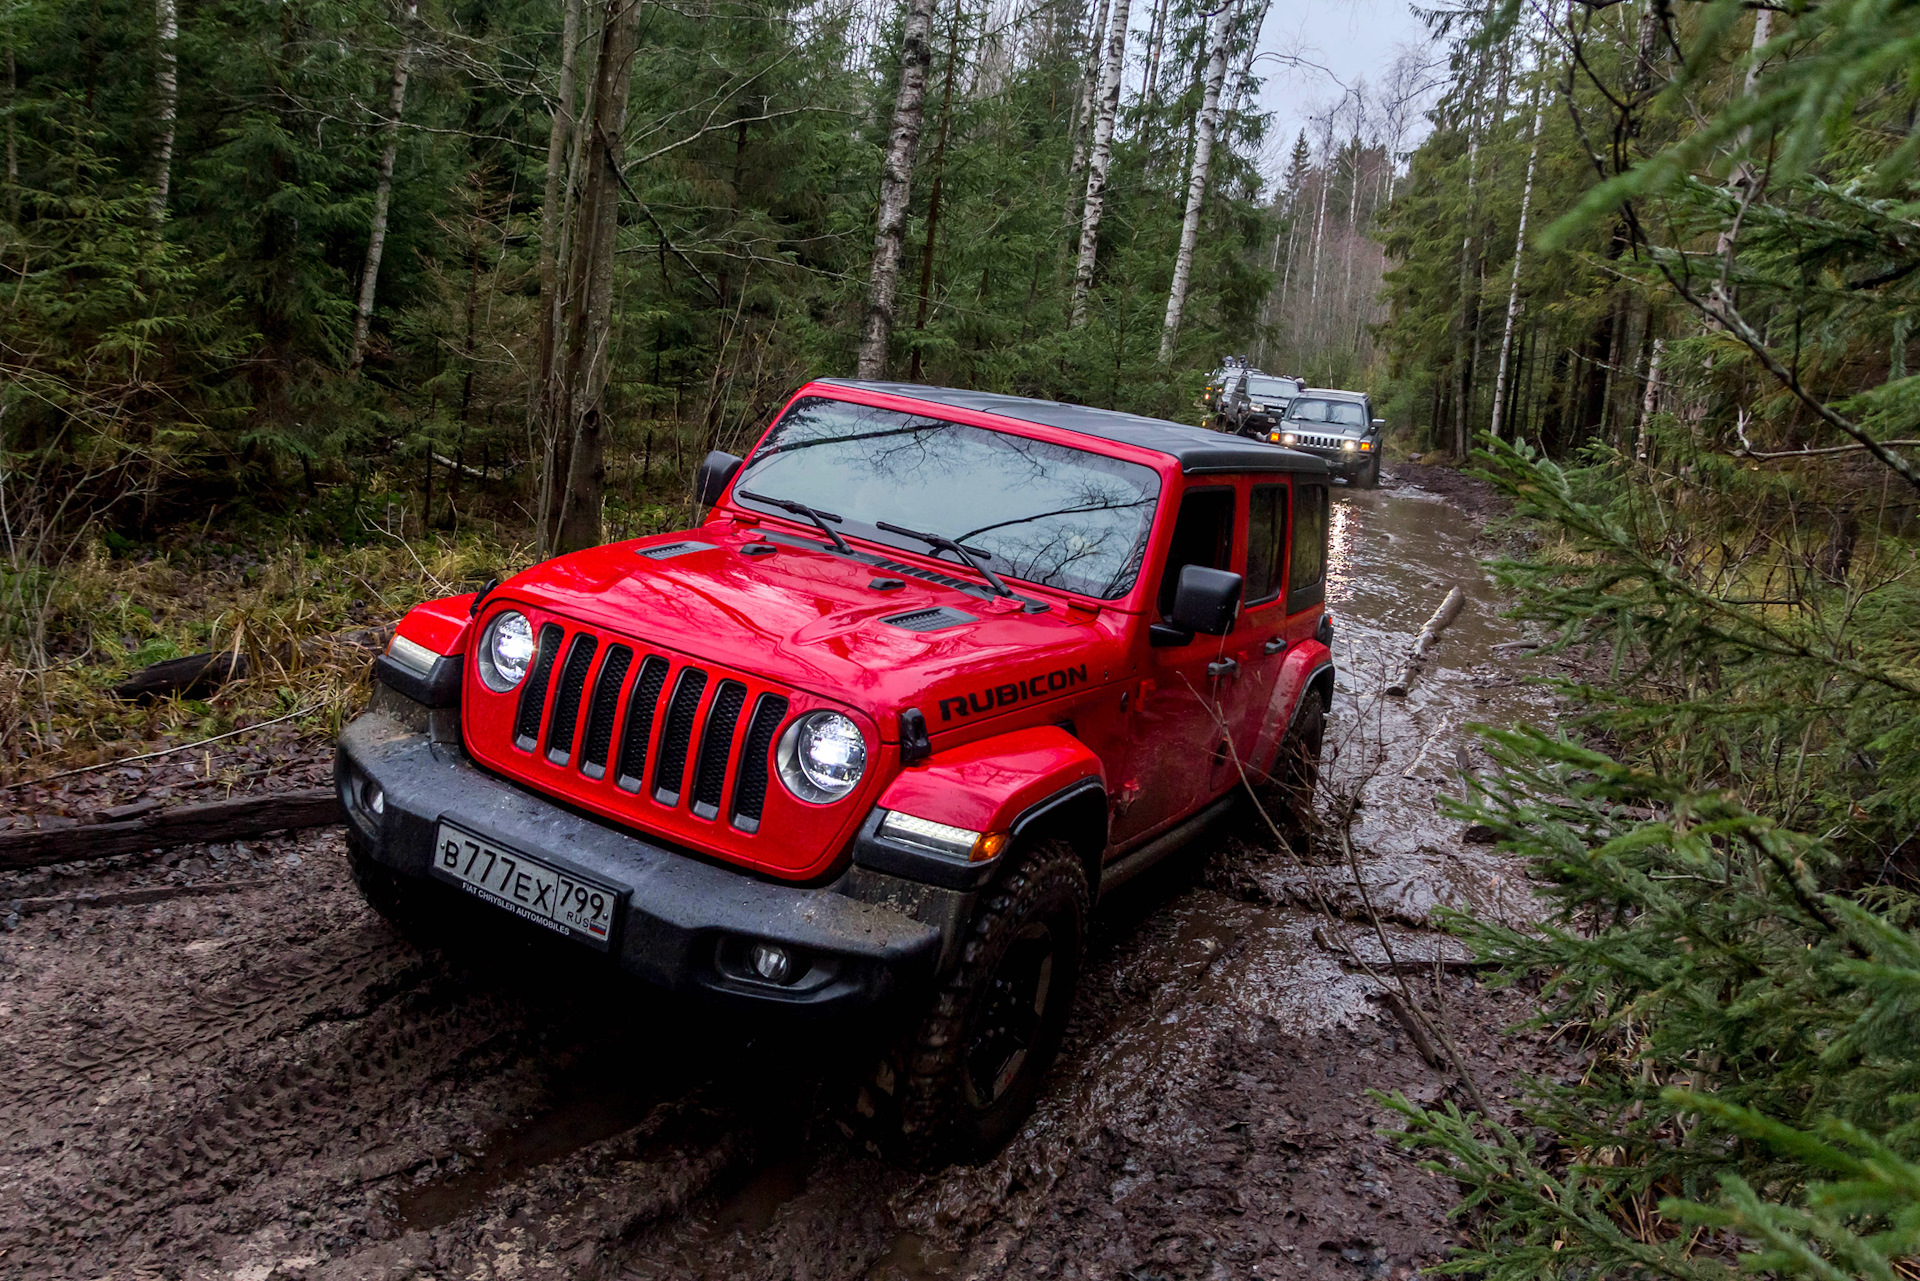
{"x": 808, "y": 618}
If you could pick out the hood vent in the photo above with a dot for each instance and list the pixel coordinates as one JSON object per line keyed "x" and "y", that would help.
{"x": 930, "y": 620}
{"x": 667, "y": 551}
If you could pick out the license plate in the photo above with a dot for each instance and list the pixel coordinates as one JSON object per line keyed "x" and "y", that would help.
{"x": 531, "y": 888}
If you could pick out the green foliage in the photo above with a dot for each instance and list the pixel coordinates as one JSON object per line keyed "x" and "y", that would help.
{"x": 1729, "y": 924}
{"x": 212, "y": 346}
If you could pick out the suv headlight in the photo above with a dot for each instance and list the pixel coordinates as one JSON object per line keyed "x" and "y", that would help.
{"x": 1287, "y": 438}
{"x": 506, "y": 651}
{"x": 821, "y": 757}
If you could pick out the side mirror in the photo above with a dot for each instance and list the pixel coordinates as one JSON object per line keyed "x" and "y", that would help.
{"x": 715, "y": 474}
{"x": 1379, "y": 422}
{"x": 1207, "y": 600}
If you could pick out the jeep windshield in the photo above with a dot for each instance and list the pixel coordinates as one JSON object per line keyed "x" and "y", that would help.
{"x": 1047, "y": 514}
{"x": 1268, "y": 389}
{"x": 1337, "y": 413}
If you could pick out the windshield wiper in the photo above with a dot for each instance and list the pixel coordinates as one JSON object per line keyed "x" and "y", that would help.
{"x": 943, "y": 543}
{"x": 813, "y": 514}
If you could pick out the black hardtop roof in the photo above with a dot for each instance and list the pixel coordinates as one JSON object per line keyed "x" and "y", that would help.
{"x": 1201, "y": 451}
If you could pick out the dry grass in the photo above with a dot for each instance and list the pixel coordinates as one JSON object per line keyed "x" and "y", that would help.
{"x": 307, "y": 620}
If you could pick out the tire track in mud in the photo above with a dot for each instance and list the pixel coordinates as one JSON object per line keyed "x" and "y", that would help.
{"x": 275, "y": 1086}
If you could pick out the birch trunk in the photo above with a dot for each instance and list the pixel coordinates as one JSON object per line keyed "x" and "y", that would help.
{"x": 1237, "y": 99}
{"x": 896, "y": 181}
{"x": 586, "y": 348}
{"x": 1197, "y": 185}
{"x": 1156, "y": 36}
{"x": 1099, "y": 160}
{"x": 1467, "y": 317}
{"x": 1513, "y": 282}
{"x": 166, "y": 84}
{"x": 939, "y": 182}
{"x": 1082, "y": 114}
{"x": 383, "y": 189}
{"x": 1320, "y": 221}
{"x": 544, "y": 423}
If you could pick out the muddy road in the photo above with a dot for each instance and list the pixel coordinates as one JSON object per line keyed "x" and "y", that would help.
{"x": 263, "y": 1081}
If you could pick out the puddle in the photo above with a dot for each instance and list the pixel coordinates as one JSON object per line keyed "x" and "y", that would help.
{"x": 1393, "y": 556}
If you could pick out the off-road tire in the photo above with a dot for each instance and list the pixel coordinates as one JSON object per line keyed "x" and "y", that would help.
{"x": 1287, "y": 795}
{"x": 398, "y": 899}
{"x": 1370, "y": 478}
{"x": 927, "y": 1084}
{"x": 1296, "y": 767}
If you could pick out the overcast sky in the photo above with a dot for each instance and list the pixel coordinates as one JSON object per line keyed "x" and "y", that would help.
{"x": 1346, "y": 40}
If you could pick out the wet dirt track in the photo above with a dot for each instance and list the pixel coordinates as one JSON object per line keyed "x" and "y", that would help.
{"x": 269, "y": 1083}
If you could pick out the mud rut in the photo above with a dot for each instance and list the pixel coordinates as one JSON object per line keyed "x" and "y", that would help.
{"x": 272, "y": 1084}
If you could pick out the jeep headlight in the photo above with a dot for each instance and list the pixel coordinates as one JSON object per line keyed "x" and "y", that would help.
{"x": 506, "y": 651}
{"x": 1287, "y": 438}
{"x": 1349, "y": 444}
{"x": 821, "y": 757}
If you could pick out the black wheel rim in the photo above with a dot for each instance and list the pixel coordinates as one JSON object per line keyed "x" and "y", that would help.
{"x": 1003, "y": 1035}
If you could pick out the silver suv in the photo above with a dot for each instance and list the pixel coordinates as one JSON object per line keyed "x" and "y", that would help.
{"x": 1338, "y": 426}
{"x": 1255, "y": 403}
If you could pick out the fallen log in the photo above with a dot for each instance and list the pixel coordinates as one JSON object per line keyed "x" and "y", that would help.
{"x": 198, "y": 675}
{"x": 194, "y": 676}
{"x": 236, "y": 819}
{"x": 1442, "y": 618}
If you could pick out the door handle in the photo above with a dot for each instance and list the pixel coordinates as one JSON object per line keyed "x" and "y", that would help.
{"x": 1274, "y": 646}
{"x": 1223, "y": 667}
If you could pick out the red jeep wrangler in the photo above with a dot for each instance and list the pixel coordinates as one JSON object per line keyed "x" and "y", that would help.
{"x": 939, "y": 669}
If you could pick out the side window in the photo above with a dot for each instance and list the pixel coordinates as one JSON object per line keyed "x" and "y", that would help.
{"x": 1266, "y": 542}
{"x": 1308, "y": 568}
{"x": 1202, "y": 535}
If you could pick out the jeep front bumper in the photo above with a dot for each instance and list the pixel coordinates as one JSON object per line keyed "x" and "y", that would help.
{"x": 686, "y": 923}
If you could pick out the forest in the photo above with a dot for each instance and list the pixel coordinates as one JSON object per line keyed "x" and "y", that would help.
{"x": 314, "y": 308}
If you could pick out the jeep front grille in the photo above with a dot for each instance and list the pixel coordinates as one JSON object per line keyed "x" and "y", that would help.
{"x": 750, "y": 789}
{"x": 566, "y": 704}
{"x": 1319, "y": 442}
{"x": 533, "y": 695}
{"x": 659, "y": 727}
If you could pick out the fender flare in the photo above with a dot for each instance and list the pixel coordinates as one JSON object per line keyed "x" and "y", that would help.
{"x": 1307, "y": 669}
{"x": 1026, "y": 783}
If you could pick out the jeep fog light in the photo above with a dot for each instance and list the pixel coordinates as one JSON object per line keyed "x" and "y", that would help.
{"x": 506, "y": 651}
{"x": 942, "y": 838}
{"x": 770, "y": 962}
{"x": 821, "y": 757}
{"x": 372, "y": 797}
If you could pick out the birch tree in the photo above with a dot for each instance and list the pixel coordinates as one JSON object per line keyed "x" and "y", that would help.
{"x": 896, "y": 181}
{"x": 585, "y": 349}
{"x": 383, "y": 188}
{"x": 1519, "y": 251}
{"x": 1082, "y": 115}
{"x": 1467, "y": 316}
{"x": 1099, "y": 160}
{"x": 166, "y": 85}
{"x": 1197, "y": 183}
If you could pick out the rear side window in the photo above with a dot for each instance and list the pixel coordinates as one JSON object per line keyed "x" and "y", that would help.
{"x": 1266, "y": 542}
{"x": 1202, "y": 535}
{"x": 1306, "y": 584}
